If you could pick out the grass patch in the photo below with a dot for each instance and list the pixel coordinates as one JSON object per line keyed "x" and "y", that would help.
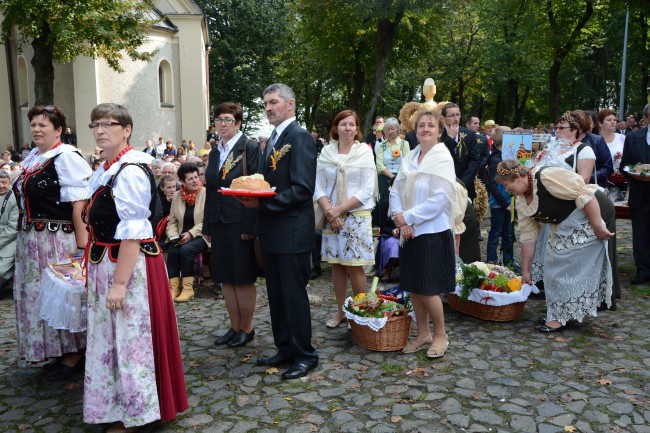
{"x": 642, "y": 291}
{"x": 391, "y": 367}
{"x": 582, "y": 342}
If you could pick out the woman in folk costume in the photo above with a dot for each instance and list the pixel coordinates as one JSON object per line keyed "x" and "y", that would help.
{"x": 423, "y": 204}
{"x": 346, "y": 191}
{"x": 134, "y": 373}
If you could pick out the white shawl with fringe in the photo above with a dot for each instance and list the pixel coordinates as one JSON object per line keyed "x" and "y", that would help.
{"x": 358, "y": 159}
{"x": 436, "y": 169}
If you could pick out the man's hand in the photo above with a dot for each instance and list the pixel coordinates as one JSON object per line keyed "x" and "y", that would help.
{"x": 185, "y": 238}
{"x": 249, "y": 202}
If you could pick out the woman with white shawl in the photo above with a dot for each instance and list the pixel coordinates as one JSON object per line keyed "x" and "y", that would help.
{"x": 346, "y": 190}
{"x": 422, "y": 202}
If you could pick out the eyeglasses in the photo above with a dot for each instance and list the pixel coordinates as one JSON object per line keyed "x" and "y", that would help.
{"x": 224, "y": 121}
{"x": 104, "y": 125}
{"x": 456, "y": 115}
{"x": 561, "y": 128}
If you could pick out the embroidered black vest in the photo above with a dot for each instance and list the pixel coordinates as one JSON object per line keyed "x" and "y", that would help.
{"x": 550, "y": 209}
{"x": 41, "y": 195}
{"x": 102, "y": 219}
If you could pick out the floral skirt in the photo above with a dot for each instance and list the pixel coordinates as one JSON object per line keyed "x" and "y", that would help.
{"x": 353, "y": 245}
{"x": 34, "y": 251}
{"x": 128, "y": 378}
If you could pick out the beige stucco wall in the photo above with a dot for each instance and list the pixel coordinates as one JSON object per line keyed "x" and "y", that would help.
{"x": 6, "y": 133}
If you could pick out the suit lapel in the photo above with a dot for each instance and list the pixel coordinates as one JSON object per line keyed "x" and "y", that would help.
{"x": 278, "y": 144}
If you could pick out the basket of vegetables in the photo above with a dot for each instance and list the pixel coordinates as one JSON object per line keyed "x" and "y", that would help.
{"x": 379, "y": 322}
{"x": 489, "y": 292}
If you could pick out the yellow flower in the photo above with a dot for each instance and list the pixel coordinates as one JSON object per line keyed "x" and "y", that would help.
{"x": 396, "y": 153}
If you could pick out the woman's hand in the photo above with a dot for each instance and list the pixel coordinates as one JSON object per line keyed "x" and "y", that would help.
{"x": 207, "y": 239}
{"x": 336, "y": 224}
{"x": 116, "y": 296}
{"x": 407, "y": 232}
{"x": 245, "y": 237}
{"x": 185, "y": 238}
{"x": 601, "y": 232}
{"x": 526, "y": 278}
{"x": 399, "y": 220}
{"x": 394, "y": 233}
{"x": 333, "y": 212}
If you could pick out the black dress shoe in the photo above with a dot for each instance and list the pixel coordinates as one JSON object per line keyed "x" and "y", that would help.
{"x": 65, "y": 372}
{"x": 224, "y": 339}
{"x": 54, "y": 366}
{"x": 275, "y": 360}
{"x": 541, "y": 320}
{"x": 639, "y": 280}
{"x": 315, "y": 273}
{"x": 241, "y": 338}
{"x": 299, "y": 369}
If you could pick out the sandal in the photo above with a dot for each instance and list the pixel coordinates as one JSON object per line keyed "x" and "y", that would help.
{"x": 333, "y": 323}
{"x": 545, "y": 329}
{"x": 437, "y": 351}
{"x": 413, "y": 347}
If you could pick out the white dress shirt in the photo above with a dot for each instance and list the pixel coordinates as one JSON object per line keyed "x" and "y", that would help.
{"x": 225, "y": 150}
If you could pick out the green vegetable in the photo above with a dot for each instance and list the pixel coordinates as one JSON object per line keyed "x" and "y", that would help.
{"x": 501, "y": 280}
{"x": 471, "y": 279}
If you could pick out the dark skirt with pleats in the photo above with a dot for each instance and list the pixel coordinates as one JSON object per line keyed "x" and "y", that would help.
{"x": 427, "y": 264}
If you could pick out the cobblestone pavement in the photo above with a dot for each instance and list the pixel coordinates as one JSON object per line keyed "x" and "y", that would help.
{"x": 498, "y": 377}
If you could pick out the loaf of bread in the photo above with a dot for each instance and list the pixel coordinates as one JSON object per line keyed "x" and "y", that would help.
{"x": 254, "y": 182}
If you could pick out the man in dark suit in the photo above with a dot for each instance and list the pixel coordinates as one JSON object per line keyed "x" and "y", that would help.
{"x": 637, "y": 150}
{"x": 462, "y": 143}
{"x": 286, "y": 232}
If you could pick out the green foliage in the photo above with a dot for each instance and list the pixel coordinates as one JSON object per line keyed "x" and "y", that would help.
{"x": 95, "y": 28}
{"x": 246, "y": 36}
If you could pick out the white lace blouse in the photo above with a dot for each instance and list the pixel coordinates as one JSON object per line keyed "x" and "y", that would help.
{"x": 132, "y": 193}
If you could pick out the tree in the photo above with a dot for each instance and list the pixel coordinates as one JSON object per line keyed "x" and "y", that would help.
{"x": 565, "y": 24}
{"x": 246, "y": 37}
{"x": 60, "y": 31}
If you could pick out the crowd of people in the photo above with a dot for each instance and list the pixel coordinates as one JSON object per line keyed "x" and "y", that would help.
{"x": 118, "y": 211}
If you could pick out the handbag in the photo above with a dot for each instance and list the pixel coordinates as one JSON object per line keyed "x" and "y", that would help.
{"x": 319, "y": 214}
{"x": 259, "y": 259}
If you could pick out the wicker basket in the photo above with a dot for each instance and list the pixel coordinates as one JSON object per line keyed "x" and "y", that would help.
{"x": 393, "y": 336}
{"x": 504, "y": 313}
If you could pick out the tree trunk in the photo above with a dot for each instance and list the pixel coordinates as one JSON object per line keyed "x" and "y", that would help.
{"x": 386, "y": 32}
{"x": 561, "y": 51}
{"x": 521, "y": 107}
{"x": 43, "y": 64}
{"x": 554, "y": 90}
{"x": 358, "y": 78}
{"x": 645, "y": 79}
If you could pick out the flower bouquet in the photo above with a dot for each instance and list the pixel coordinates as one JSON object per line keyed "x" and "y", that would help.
{"x": 379, "y": 321}
{"x": 489, "y": 292}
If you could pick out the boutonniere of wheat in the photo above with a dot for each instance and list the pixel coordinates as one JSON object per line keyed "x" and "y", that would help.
{"x": 461, "y": 143}
{"x": 277, "y": 155}
{"x": 229, "y": 164}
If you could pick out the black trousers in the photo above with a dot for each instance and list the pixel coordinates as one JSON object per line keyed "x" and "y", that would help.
{"x": 640, "y": 216}
{"x": 180, "y": 258}
{"x": 286, "y": 280}
{"x": 315, "y": 252}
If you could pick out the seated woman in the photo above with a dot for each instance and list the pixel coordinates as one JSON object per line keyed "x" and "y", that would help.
{"x": 184, "y": 230}
{"x": 388, "y": 258}
{"x": 576, "y": 268}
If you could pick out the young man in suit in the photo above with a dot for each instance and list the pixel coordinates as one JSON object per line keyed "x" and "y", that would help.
{"x": 637, "y": 150}
{"x": 462, "y": 143}
{"x": 286, "y": 232}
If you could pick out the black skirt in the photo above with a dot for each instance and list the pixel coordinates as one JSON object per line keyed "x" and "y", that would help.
{"x": 427, "y": 264}
{"x": 233, "y": 260}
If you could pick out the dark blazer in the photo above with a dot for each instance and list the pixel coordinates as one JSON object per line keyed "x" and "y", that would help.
{"x": 226, "y": 209}
{"x": 635, "y": 151}
{"x": 604, "y": 165}
{"x": 151, "y": 151}
{"x": 493, "y": 160}
{"x": 412, "y": 139}
{"x": 286, "y": 222}
{"x": 469, "y": 162}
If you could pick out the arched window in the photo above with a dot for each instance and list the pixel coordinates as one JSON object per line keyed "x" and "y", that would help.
{"x": 23, "y": 89}
{"x": 165, "y": 89}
